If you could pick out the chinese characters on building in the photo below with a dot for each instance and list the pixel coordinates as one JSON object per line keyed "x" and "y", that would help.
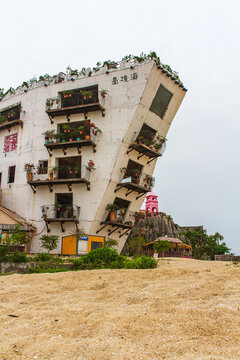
{"x": 10, "y": 142}
{"x": 124, "y": 78}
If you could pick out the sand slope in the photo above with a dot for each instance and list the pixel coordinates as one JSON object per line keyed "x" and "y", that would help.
{"x": 184, "y": 309}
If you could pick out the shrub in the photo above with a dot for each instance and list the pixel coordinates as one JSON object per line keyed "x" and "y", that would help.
{"x": 80, "y": 263}
{"x": 3, "y": 252}
{"x": 42, "y": 269}
{"x": 102, "y": 256}
{"x": 18, "y": 257}
{"x": 43, "y": 256}
{"x": 129, "y": 264}
{"x": 145, "y": 262}
{"x": 118, "y": 264}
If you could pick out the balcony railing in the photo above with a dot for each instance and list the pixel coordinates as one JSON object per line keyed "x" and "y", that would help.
{"x": 58, "y": 211}
{"x": 61, "y": 214}
{"x": 123, "y": 220}
{"x": 65, "y": 176}
{"x": 10, "y": 118}
{"x": 76, "y": 98}
{"x": 73, "y": 142}
{"x": 57, "y": 106}
{"x": 141, "y": 184}
{"x": 151, "y": 148}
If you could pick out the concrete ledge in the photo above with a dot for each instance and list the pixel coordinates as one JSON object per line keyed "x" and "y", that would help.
{"x": 22, "y": 268}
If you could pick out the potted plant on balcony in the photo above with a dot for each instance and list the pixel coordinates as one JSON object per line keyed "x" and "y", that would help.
{"x": 157, "y": 146}
{"x": 68, "y": 212}
{"x": 81, "y": 131}
{"x": 95, "y": 129}
{"x": 57, "y": 138}
{"x": 29, "y": 168}
{"x": 123, "y": 170}
{"x": 71, "y": 135}
{"x": 57, "y": 208}
{"x": 120, "y": 214}
{"x": 77, "y": 171}
{"x": 3, "y": 118}
{"x": 87, "y": 95}
{"x": 67, "y": 94}
{"x": 65, "y": 135}
{"x": 103, "y": 93}
{"x": 11, "y": 114}
{"x": 90, "y": 165}
{"x": 49, "y": 136}
{"x": 53, "y": 173}
{"x": 136, "y": 175}
{"x": 112, "y": 208}
{"x": 148, "y": 181}
{"x": 41, "y": 170}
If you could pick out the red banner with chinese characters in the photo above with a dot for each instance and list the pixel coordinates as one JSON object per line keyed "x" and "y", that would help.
{"x": 10, "y": 142}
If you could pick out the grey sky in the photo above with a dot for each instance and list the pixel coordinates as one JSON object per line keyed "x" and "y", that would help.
{"x": 197, "y": 179}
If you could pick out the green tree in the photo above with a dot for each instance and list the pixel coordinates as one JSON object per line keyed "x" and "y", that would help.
{"x": 110, "y": 243}
{"x": 49, "y": 242}
{"x": 16, "y": 236}
{"x": 204, "y": 245}
{"x": 161, "y": 246}
{"x": 136, "y": 244}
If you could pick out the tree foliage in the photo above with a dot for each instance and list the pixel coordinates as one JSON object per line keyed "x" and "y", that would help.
{"x": 136, "y": 244}
{"x": 49, "y": 242}
{"x": 161, "y": 246}
{"x": 16, "y": 236}
{"x": 110, "y": 243}
{"x": 204, "y": 245}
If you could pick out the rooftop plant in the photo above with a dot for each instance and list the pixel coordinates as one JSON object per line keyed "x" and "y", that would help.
{"x": 110, "y": 65}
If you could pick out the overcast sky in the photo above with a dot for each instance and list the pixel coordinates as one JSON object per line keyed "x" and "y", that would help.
{"x": 197, "y": 179}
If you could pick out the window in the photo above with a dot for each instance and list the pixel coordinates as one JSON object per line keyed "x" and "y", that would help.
{"x": 64, "y": 205}
{"x": 146, "y": 135}
{"x": 0, "y": 179}
{"x": 161, "y": 101}
{"x": 133, "y": 170}
{"x": 11, "y": 174}
{"x": 81, "y": 96}
{"x": 42, "y": 167}
{"x": 69, "y": 167}
{"x": 12, "y": 113}
{"x": 95, "y": 245}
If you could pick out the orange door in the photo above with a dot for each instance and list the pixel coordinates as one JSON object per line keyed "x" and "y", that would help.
{"x": 69, "y": 245}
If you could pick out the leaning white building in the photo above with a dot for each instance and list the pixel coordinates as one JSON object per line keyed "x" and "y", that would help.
{"x": 114, "y": 120}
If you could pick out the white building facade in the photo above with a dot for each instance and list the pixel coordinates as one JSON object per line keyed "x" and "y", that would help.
{"x": 132, "y": 104}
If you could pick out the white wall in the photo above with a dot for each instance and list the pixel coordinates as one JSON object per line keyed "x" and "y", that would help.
{"x": 126, "y": 109}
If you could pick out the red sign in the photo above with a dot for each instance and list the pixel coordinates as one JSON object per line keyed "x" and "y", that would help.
{"x": 10, "y": 142}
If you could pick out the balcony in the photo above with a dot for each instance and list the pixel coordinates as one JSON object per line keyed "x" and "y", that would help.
{"x": 10, "y": 118}
{"x": 74, "y": 135}
{"x": 75, "y": 102}
{"x": 151, "y": 145}
{"x": 64, "y": 176}
{"x": 140, "y": 184}
{"x": 60, "y": 214}
{"x": 118, "y": 218}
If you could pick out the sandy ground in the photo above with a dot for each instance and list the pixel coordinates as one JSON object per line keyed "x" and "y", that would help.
{"x": 184, "y": 309}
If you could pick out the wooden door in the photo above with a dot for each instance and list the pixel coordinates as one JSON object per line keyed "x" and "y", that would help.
{"x": 69, "y": 245}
